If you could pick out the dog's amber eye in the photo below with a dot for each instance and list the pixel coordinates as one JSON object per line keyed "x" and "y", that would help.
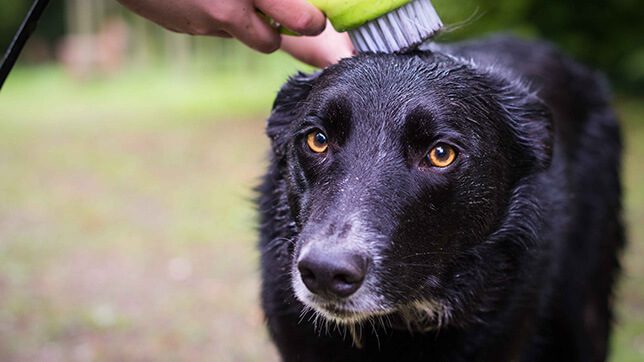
{"x": 317, "y": 141}
{"x": 441, "y": 156}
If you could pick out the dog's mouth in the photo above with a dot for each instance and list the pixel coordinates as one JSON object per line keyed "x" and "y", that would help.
{"x": 419, "y": 316}
{"x": 339, "y": 311}
{"x": 348, "y": 311}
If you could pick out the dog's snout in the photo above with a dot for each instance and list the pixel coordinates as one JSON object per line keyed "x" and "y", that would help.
{"x": 330, "y": 273}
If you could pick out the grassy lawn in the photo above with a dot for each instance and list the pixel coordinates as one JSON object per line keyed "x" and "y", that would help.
{"x": 127, "y": 228}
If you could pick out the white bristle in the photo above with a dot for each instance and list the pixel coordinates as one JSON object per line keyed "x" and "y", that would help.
{"x": 357, "y": 40}
{"x": 400, "y": 29}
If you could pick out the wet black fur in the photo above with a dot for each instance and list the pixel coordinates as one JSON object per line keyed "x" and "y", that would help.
{"x": 519, "y": 236}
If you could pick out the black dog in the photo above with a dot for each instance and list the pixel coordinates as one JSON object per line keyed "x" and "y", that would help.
{"x": 460, "y": 203}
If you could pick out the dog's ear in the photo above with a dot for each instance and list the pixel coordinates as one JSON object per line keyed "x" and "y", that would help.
{"x": 532, "y": 126}
{"x": 535, "y": 129}
{"x": 286, "y": 110}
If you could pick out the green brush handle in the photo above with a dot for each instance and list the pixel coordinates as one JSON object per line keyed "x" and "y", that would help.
{"x": 348, "y": 14}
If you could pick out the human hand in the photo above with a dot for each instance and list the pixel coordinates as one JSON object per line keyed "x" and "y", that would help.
{"x": 233, "y": 18}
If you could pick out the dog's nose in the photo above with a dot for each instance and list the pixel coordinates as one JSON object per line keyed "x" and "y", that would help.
{"x": 330, "y": 273}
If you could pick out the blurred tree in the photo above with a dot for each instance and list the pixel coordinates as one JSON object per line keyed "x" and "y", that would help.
{"x": 13, "y": 12}
{"x": 605, "y": 35}
{"x": 609, "y": 35}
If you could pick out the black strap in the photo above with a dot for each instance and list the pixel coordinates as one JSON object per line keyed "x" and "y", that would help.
{"x": 24, "y": 32}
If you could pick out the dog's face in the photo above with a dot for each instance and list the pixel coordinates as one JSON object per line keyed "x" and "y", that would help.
{"x": 399, "y": 169}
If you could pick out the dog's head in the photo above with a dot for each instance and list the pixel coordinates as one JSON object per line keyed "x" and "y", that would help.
{"x": 401, "y": 172}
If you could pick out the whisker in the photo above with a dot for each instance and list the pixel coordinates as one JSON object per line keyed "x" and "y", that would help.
{"x": 355, "y": 335}
{"x": 427, "y": 253}
{"x": 375, "y": 330}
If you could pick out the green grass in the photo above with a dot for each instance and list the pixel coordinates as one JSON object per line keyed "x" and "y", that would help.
{"x": 145, "y": 97}
{"x": 126, "y": 226}
{"x": 628, "y": 341}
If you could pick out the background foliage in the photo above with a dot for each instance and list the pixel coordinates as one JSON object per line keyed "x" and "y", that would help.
{"x": 607, "y": 35}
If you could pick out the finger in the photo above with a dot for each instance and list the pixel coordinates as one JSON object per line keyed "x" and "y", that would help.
{"x": 252, "y": 30}
{"x": 221, "y": 34}
{"x": 321, "y": 51}
{"x": 298, "y": 16}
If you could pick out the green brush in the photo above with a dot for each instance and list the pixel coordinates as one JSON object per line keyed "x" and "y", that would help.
{"x": 382, "y": 26}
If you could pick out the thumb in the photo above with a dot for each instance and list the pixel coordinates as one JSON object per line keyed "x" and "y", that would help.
{"x": 320, "y": 51}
